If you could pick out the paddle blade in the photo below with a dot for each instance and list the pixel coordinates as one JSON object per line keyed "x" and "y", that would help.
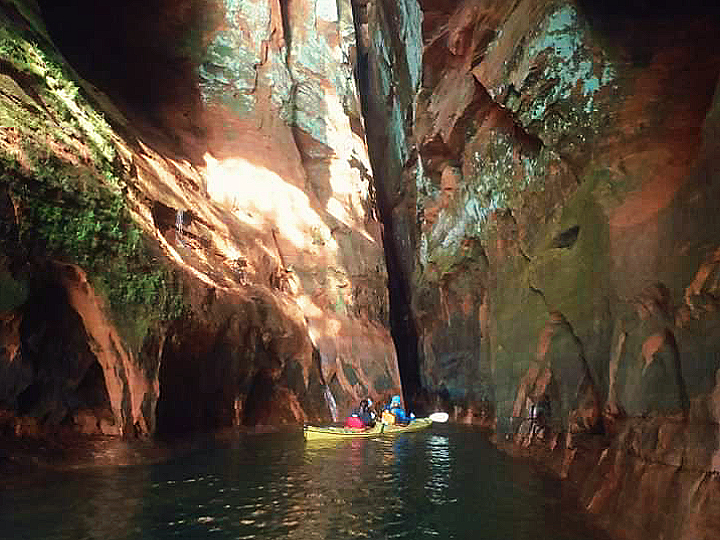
{"x": 439, "y": 417}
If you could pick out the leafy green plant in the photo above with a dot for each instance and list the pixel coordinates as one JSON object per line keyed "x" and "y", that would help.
{"x": 69, "y": 193}
{"x": 93, "y": 228}
{"x": 57, "y": 95}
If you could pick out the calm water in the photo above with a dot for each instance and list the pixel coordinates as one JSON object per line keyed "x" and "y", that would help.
{"x": 448, "y": 482}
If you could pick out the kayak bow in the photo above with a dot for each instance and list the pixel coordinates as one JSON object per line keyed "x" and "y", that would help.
{"x": 415, "y": 425}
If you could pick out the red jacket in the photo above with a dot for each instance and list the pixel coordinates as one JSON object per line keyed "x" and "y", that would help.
{"x": 354, "y": 422}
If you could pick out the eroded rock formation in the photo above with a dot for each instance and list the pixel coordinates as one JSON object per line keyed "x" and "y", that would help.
{"x": 189, "y": 218}
{"x": 189, "y": 238}
{"x": 548, "y": 179}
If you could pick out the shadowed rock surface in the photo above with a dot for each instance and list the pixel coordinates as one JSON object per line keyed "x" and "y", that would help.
{"x": 548, "y": 183}
{"x": 196, "y": 234}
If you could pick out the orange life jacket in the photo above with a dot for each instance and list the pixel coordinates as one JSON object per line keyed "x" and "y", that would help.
{"x": 388, "y": 418}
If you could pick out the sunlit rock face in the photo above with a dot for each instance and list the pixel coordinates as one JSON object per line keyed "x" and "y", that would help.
{"x": 199, "y": 202}
{"x": 548, "y": 178}
{"x": 285, "y": 153}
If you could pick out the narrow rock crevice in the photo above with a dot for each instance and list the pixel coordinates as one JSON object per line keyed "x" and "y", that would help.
{"x": 374, "y": 109}
{"x": 285, "y": 6}
{"x": 539, "y": 292}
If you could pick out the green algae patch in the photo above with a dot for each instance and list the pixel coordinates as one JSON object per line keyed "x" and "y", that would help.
{"x": 519, "y": 314}
{"x": 44, "y": 108}
{"x": 92, "y": 227}
{"x": 58, "y": 162}
{"x": 575, "y": 250}
{"x": 13, "y": 292}
{"x": 572, "y": 270}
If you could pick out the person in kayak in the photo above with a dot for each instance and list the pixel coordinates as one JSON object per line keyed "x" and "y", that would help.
{"x": 395, "y": 414}
{"x": 363, "y": 416}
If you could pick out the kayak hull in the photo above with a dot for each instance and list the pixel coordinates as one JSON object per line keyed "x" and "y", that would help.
{"x": 415, "y": 425}
{"x": 314, "y": 433}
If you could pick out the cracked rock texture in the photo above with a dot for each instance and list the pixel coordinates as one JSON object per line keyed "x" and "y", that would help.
{"x": 189, "y": 232}
{"x": 549, "y": 182}
{"x": 192, "y": 226}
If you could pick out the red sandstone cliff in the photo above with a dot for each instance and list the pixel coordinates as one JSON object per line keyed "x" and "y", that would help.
{"x": 190, "y": 238}
{"x": 548, "y": 178}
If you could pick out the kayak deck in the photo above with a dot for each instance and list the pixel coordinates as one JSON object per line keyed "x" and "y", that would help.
{"x": 319, "y": 432}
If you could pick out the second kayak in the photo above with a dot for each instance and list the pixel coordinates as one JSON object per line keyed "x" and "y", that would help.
{"x": 320, "y": 432}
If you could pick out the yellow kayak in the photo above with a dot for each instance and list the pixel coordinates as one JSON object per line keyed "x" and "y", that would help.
{"x": 415, "y": 425}
{"x": 314, "y": 433}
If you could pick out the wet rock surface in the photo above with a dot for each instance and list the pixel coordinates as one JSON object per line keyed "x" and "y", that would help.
{"x": 197, "y": 195}
{"x": 545, "y": 184}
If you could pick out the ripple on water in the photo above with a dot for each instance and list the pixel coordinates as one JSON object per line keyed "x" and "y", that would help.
{"x": 446, "y": 483}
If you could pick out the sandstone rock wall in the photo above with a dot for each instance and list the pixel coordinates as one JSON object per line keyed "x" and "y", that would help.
{"x": 548, "y": 181}
{"x": 195, "y": 201}
{"x": 190, "y": 239}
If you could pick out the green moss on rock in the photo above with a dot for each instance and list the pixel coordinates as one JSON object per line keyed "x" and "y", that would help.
{"x": 92, "y": 228}
{"x": 58, "y": 162}
{"x": 518, "y": 316}
{"x": 13, "y": 293}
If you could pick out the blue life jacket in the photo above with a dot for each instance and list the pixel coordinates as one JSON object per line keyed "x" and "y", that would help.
{"x": 395, "y": 407}
{"x": 401, "y": 416}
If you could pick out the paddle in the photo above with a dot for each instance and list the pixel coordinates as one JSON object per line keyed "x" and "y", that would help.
{"x": 439, "y": 417}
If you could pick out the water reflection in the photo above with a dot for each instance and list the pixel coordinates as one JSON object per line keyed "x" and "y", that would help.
{"x": 439, "y": 461}
{"x": 102, "y": 503}
{"x": 448, "y": 484}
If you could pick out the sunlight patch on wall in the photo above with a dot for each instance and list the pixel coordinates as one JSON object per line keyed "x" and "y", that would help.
{"x": 262, "y": 199}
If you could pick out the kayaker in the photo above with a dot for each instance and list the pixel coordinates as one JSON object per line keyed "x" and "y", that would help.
{"x": 363, "y": 416}
{"x": 395, "y": 414}
{"x": 366, "y": 412}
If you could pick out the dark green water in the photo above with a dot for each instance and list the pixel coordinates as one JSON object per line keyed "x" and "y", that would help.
{"x": 447, "y": 482}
